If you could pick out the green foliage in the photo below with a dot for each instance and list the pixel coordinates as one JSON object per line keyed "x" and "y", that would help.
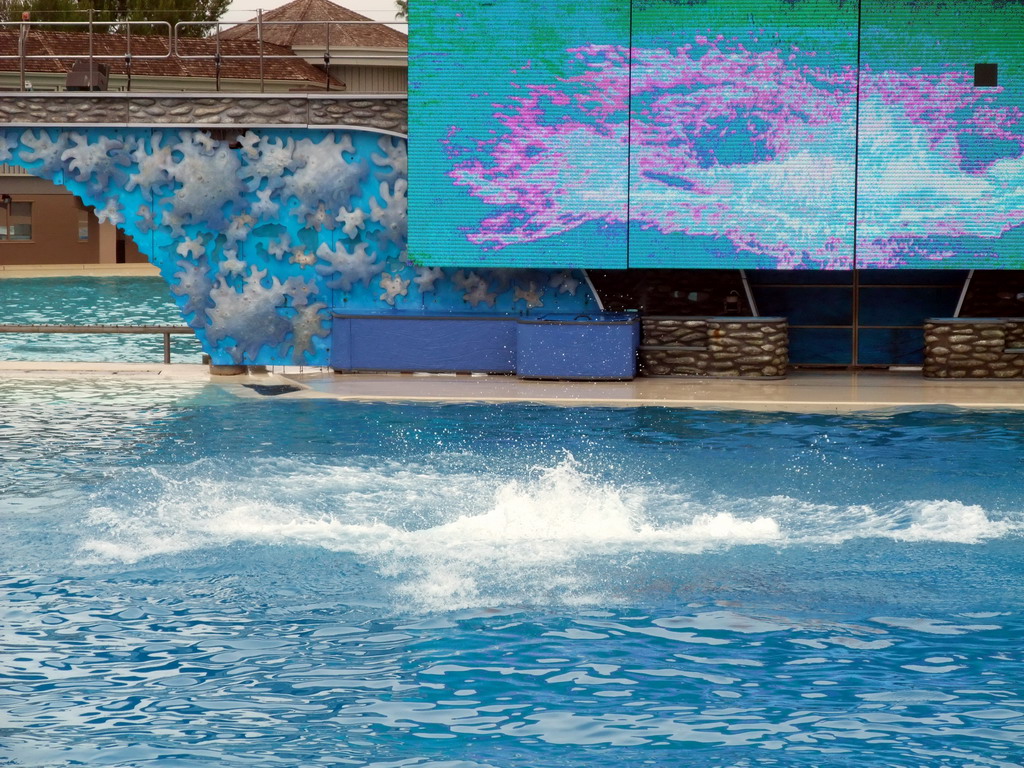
{"x": 403, "y": 9}
{"x": 108, "y": 15}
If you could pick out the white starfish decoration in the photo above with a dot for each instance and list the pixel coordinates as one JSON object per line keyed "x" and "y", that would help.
{"x": 264, "y": 207}
{"x": 152, "y": 163}
{"x": 249, "y": 140}
{"x": 564, "y": 282}
{"x": 232, "y": 265}
{"x": 393, "y": 286}
{"x": 320, "y": 219}
{"x": 478, "y": 294}
{"x": 462, "y": 281}
{"x": 145, "y": 221}
{"x": 350, "y": 266}
{"x": 174, "y": 221}
{"x": 352, "y": 221}
{"x": 203, "y": 139}
{"x": 299, "y": 290}
{"x": 531, "y": 295}
{"x": 255, "y": 277}
{"x": 426, "y": 277}
{"x": 280, "y": 248}
{"x": 193, "y": 246}
{"x": 239, "y": 228}
{"x": 302, "y": 257}
{"x": 111, "y": 212}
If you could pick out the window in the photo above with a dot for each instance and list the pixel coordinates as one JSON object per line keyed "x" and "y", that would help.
{"x": 16, "y": 221}
{"x": 83, "y": 225}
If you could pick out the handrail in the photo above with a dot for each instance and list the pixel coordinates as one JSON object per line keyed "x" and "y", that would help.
{"x": 331, "y": 50}
{"x": 173, "y": 36}
{"x": 25, "y": 27}
{"x": 260, "y": 24}
{"x": 164, "y": 330}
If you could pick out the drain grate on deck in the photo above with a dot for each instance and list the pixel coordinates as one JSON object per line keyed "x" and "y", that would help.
{"x": 272, "y": 389}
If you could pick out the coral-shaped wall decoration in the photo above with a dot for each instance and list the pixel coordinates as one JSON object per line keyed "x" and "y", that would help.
{"x": 263, "y": 234}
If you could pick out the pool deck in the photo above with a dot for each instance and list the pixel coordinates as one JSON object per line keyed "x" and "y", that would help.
{"x": 12, "y": 271}
{"x": 801, "y": 392}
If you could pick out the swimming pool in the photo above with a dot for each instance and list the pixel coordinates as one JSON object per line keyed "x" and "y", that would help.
{"x": 198, "y": 579}
{"x": 91, "y": 301}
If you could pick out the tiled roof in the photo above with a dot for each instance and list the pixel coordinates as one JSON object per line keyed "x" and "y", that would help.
{"x": 53, "y": 49}
{"x": 361, "y": 35}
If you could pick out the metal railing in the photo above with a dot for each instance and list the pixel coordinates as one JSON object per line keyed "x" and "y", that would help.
{"x": 165, "y": 330}
{"x": 24, "y": 27}
{"x": 333, "y": 48}
{"x": 260, "y": 25}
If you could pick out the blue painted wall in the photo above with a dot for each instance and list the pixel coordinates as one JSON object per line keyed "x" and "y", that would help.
{"x": 260, "y": 237}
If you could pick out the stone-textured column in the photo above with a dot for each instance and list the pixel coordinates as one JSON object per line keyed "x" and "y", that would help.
{"x": 720, "y": 347}
{"x": 79, "y": 110}
{"x": 974, "y": 348}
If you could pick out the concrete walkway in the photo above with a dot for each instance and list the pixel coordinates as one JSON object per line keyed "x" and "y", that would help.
{"x": 78, "y": 270}
{"x": 802, "y": 391}
{"x": 19, "y": 369}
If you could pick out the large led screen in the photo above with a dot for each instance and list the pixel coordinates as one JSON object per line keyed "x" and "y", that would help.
{"x": 756, "y": 134}
{"x": 742, "y": 137}
{"x": 940, "y": 168}
{"x": 519, "y": 133}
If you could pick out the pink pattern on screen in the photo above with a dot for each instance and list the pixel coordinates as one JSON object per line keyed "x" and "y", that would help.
{"x": 756, "y": 147}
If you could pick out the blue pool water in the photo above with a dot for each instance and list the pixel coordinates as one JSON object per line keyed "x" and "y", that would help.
{"x": 193, "y": 579}
{"x": 91, "y": 301}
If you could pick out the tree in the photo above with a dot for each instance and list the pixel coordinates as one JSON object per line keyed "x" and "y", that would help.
{"x": 108, "y": 15}
{"x": 403, "y": 9}
{"x": 42, "y": 10}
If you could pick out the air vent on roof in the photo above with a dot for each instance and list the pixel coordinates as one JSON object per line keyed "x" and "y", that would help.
{"x": 88, "y": 76}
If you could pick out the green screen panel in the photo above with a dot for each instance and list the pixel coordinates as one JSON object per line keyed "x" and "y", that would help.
{"x": 742, "y": 142}
{"x": 519, "y": 134}
{"x": 939, "y": 157}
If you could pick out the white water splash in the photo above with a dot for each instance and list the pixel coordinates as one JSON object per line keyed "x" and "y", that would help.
{"x": 951, "y": 521}
{"x": 452, "y": 540}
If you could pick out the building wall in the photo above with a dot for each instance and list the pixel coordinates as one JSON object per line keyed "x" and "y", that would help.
{"x": 55, "y": 217}
{"x": 371, "y": 80}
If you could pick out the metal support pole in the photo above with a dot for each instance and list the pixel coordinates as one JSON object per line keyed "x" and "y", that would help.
{"x": 327, "y": 54}
{"x": 963, "y": 294}
{"x": 128, "y": 56}
{"x": 22, "y": 38}
{"x": 749, "y": 293}
{"x": 92, "y": 64}
{"x": 259, "y": 35}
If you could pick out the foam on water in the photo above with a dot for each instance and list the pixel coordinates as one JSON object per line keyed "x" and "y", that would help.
{"x": 454, "y": 539}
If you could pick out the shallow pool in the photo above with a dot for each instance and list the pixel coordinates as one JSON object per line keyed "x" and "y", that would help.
{"x": 196, "y": 579}
{"x": 91, "y": 301}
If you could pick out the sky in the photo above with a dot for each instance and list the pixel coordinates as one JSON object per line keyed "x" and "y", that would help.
{"x": 242, "y": 10}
